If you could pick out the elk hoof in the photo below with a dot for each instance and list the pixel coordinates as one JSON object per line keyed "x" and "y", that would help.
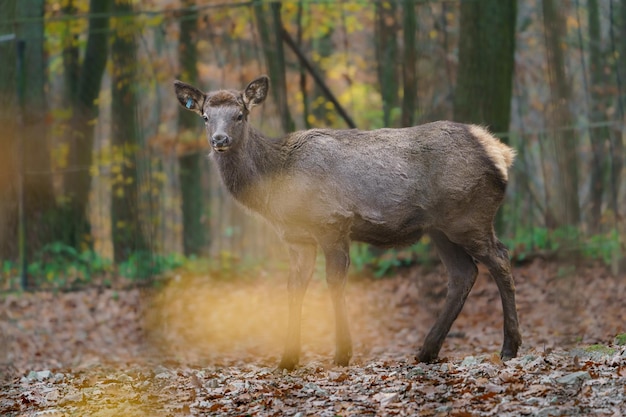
{"x": 508, "y": 354}
{"x": 288, "y": 362}
{"x": 426, "y": 357}
{"x": 342, "y": 358}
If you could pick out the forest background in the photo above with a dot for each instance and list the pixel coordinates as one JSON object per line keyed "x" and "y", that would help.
{"x": 105, "y": 180}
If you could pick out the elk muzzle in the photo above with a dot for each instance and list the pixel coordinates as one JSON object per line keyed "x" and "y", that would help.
{"x": 220, "y": 142}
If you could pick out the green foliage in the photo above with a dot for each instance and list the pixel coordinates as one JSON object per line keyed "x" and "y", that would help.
{"x": 564, "y": 240}
{"x": 620, "y": 339}
{"x": 58, "y": 264}
{"x": 602, "y": 246}
{"x": 144, "y": 264}
{"x": 364, "y": 259}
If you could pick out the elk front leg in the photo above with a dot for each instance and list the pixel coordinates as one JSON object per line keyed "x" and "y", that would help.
{"x": 302, "y": 264}
{"x": 337, "y": 255}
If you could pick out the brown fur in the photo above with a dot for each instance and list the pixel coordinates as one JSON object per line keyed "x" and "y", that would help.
{"x": 323, "y": 188}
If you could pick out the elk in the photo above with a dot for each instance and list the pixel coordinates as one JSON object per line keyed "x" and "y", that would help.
{"x": 323, "y": 188}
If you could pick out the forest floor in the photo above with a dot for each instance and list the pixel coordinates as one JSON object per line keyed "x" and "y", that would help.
{"x": 210, "y": 347}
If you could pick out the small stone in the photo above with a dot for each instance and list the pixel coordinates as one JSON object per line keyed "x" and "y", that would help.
{"x": 549, "y": 412}
{"x": 574, "y": 378}
{"x": 213, "y": 383}
{"x": 386, "y": 398}
{"x": 315, "y": 388}
{"x": 74, "y": 397}
{"x": 415, "y": 371}
{"x": 52, "y": 395}
{"x": 39, "y": 375}
{"x": 470, "y": 361}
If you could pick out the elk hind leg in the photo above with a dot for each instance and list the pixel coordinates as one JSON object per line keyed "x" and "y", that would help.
{"x": 462, "y": 272}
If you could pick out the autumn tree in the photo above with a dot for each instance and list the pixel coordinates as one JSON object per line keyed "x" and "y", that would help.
{"x": 128, "y": 235}
{"x": 190, "y": 167}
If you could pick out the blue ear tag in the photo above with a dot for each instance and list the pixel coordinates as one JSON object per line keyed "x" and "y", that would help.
{"x": 189, "y": 103}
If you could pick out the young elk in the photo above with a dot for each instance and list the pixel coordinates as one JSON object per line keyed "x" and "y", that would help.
{"x": 387, "y": 187}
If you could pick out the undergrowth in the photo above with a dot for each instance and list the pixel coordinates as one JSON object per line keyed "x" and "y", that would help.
{"x": 59, "y": 266}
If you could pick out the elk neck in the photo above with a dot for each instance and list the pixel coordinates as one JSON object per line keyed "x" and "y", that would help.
{"x": 248, "y": 169}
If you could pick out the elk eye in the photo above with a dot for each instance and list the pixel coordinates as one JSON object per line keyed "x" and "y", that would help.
{"x": 240, "y": 117}
{"x": 205, "y": 117}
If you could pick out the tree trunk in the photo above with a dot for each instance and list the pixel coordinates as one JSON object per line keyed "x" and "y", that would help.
{"x": 598, "y": 135}
{"x": 618, "y": 137}
{"x": 387, "y": 56}
{"x": 128, "y": 236}
{"x": 190, "y": 172}
{"x": 84, "y": 90}
{"x": 39, "y": 201}
{"x": 486, "y": 63}
{"x": 270, "y": 28}
{"x": 302, "y": 81}
{"x": 409, "y": 69}
{"x": 8, "y": 138}
{"x": 565, "y": 207}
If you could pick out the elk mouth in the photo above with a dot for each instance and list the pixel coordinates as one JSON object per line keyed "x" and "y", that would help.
{"x": 221, "y": 149}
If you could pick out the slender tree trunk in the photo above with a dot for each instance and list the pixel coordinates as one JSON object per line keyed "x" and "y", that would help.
{"x": 409, "y": 63}
{"x": 566, "y": 206}
{"x": 39, "y": 201}
{"x": 84, "y": 82}
{"x": 618, "y": 137}
{"x": 128, "y": 236}
{"x": 190, "y": 172}
{"x": 270, "y": 28}
{"x": 8, "y": 138}
{"x": 387, "y": 56}
{"x": 598, "y": 135}
{"x": 303, "y": 89}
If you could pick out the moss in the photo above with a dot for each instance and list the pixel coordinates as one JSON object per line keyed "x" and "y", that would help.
{"x": 620, "y": 339}
{"x": 600, "y": 349}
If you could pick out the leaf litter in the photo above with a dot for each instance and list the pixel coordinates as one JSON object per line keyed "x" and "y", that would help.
{"x": 207, "y": 347}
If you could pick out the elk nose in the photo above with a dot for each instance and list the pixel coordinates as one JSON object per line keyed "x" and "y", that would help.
{"x": 220, "y": 141}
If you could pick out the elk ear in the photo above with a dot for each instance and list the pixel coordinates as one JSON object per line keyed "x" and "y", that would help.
{"x": 189, "y": 97}
{"x": 256, "y": 92}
